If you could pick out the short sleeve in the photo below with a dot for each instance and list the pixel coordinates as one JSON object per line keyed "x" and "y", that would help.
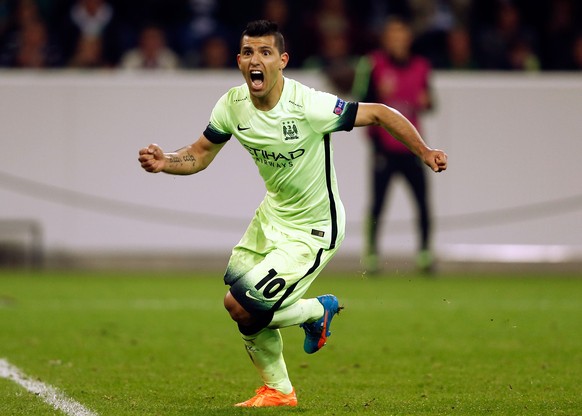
{"x": 328, "y": 113}
{"x": 216, "y": 136}
{"x": 218, "y": 130}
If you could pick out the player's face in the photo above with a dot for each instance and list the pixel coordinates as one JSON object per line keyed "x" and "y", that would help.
{"x": 397, "y": 39}
{"x": 262, "y": 64}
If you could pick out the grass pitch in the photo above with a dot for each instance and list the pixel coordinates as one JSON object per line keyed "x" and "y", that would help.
{"x": 151, "y": 344}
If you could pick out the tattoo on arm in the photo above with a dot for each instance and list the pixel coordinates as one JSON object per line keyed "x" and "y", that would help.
{"x": 175, "y": 159}
{"x": 187, "y": 158}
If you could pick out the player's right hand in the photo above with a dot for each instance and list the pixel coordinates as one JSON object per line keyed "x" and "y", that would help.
{"x": 152, "y": 158}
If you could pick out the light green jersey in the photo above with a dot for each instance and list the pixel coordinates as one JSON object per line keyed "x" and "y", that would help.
{"x": 291, "y": 147}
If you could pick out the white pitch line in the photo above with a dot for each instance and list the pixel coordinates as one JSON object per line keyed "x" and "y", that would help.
{"x": 48, "y": 393}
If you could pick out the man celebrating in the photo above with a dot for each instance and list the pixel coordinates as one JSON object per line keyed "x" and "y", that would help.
{"x": 298, "y": 227}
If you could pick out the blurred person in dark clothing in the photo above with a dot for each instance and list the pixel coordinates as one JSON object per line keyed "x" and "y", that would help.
{"x": 459, "y": 55}
{"x": 559, "y": 34}
{"x": 14, "y": 15}
{"x": 214, "y": 53}
{"x": 32, "y": 48}
{"x": 394, "y": 76}
{"x": 329, "y": 18}
{"x": 4, "y": 16}
{"x": 576, "y": 53}
{"x": 431, "y": 21}
{"x": 283, "y": 13}
{"x": 152, "y": 52}
{"x": 498, "y": 41}
{"x": 335, "y": 59}
{"x": 521, "y": 57}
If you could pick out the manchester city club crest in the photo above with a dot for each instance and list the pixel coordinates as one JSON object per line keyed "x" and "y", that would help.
{"x": 290, "y": 131}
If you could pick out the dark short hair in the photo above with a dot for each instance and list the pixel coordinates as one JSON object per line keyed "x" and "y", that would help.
{"x": 259, "y": 28}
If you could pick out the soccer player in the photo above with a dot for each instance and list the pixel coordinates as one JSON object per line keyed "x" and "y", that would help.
{"x": 285, "y": 126}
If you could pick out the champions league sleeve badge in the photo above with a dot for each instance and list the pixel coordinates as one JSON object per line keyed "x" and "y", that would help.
{"x": 339, "y": 107}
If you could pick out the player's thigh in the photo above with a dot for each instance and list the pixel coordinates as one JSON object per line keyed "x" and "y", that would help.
{"x": 297, "y": 291}
{"x": 252, "y": 249}
{"x": 281, "y": 277}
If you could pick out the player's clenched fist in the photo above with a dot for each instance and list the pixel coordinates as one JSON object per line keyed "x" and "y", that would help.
{"x": 436, "y": 160}
{"x": 152, "y": 158}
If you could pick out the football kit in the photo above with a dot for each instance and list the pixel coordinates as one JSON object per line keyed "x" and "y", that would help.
{"x": 300, "y": 222}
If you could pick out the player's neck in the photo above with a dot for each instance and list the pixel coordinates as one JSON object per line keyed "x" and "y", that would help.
{"x": 271, "y": 99}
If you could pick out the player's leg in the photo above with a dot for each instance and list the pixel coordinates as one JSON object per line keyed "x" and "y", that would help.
{"x": 381, "y": 175}
{"x": 303, "y": 310}
{"x": 313, "y": 315}
{"x": 252, "y": 314}
{"x": 252, "y": 311}
{"x": 415, "y": 174}
{"x": 261, "y": 269}
{"x": 255, "y": 297}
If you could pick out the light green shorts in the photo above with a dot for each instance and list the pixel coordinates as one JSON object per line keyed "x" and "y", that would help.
{"x": 271, "y": 269}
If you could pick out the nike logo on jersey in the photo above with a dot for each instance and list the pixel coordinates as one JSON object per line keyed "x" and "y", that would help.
{"x": 248, "y": 293}
{"x": 242, "y": 128}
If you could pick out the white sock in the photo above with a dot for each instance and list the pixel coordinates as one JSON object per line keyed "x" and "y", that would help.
{"x": 304, "y": 310}
{"x": 266, "y": 351}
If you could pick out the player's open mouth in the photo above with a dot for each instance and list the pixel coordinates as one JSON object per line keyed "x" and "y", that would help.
{"x": 257, "y": 78}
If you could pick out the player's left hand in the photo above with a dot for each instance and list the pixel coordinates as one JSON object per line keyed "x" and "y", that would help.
{"x": 436, "y": 159}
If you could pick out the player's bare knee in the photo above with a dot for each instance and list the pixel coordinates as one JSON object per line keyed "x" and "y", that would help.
{"x": 236, "y": 311}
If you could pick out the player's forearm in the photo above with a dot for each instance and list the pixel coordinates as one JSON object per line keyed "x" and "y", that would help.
{"x": 182, "y": 162}
{"x": 405, "y": 132}
{"x": 402, "y": 129}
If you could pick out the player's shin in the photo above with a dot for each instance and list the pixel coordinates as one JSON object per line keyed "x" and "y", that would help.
{"x": 265, "y": 349}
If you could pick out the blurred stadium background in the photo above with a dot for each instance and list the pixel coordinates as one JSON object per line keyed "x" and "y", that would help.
{"x": 73, "y": 194}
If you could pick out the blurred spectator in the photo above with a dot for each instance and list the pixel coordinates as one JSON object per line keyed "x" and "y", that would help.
{"x": 576, "y": 53}
{"x": 438, "y": 15}
{"x": 394, "y": 76}
{"x": 522, "y": 57}
{"x": 21, "y": 13}
{"x": 214, "y": 53}
{"x": 4, "y": 17}
{"x": 508, "y": 36}
{"x": 91, "y": 18}
{"x": 202, "y": 22}
{"x": 27, "y": 43}
{"x": 205, "y": 23}
{"x": 504, "y": 34}
{"x": 276, "y": 11}
{"x": 560, "y": 32}
{"x": 380, "y": 10}
{"x": 89, "y": 54}
{"x": 279, "y": 11}
{"x": 174, "y": 16}
{"x": 151, "y": 52}
{"x": 431, "y": 23}
{"x": 335, "y": 60}
{"x": 459, "y": 54}
{"x": 330, "y": 18}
